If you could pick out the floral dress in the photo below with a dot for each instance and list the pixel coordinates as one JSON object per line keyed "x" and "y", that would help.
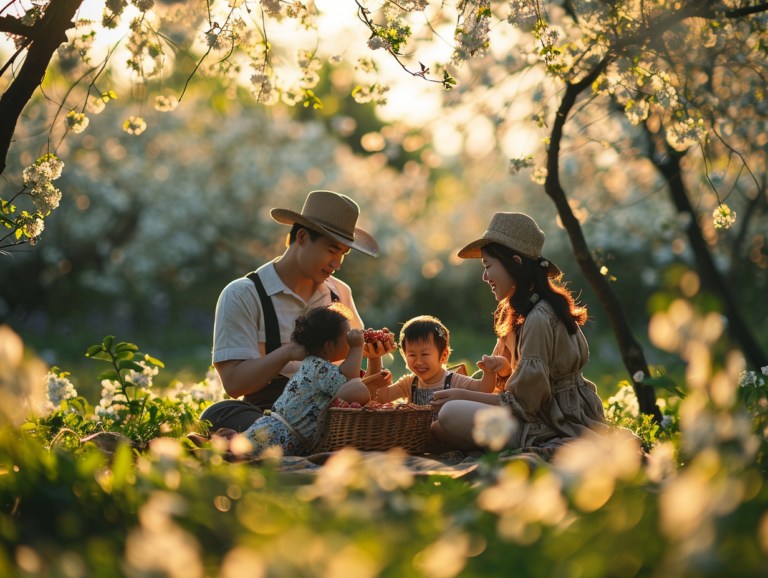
{"x": 546, "y": 390}
{"x": 301, "y": 405}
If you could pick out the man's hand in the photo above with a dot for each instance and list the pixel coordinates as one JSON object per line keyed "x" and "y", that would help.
{"x": 444, "y": 396}
{"x": 355, "y": 338}
{"x": 294, "y": 352}
{"x": 495, "y": 364}
{"x": 379, "y": 348}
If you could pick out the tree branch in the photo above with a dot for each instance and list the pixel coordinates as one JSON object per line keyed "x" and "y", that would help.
{"x": 738, "y": 12}
{"x": 50, "y": 32}
{"x": 11, "y": 25}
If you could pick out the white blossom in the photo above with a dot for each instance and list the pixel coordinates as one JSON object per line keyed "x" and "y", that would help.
{"x": 374, "y": 93}
{"x": 723, "y": 217}
{"x": 33, "y": 228}
{"x": 638, "y": 377}
{"x": 135, "y": 125}
{"x": 624, "y": 402}
{"x": 166, "y": 103}
{"x": 43, "y": 172}
{"x": 493, "y": 427}
{"x": 365, "y": 64}
{"x": 143, "y": 379}
{"x": 666, "y": 421}
{"x": 472, "y": 35}
{"x": 683, "y": 135}
{"x": 112, "y": 400}
{"x": 750, "y": 379}
{"x": 764, "y": 370}
{"x": 636, "y": 111}
{"x": 539, "y": 176}
{"x": 46, "y": 198}
{"x": 77, "y": 122}
{"x": 96, "y": 104}
{"x": 58, "y": 389}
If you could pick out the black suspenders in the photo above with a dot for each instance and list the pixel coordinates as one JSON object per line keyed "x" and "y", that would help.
{"x": 265, "y": 397}
{"x": 271, "y": 326}
{"x": 415, "y": 384}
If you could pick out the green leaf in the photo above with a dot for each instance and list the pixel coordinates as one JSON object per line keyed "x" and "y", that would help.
{"x": 120, "y": 347}
{"x": 93, "y": 350}
{"x": 124, "y": 355}
{"x": 103, "y": 355}
{"x": 110, "y": 375}
{"x": 64, "y": 406}
{"x": 28, "y": 426}
{"x": 78, "y": 406}
{"x": 154, "y": 361}
{"x": 108, "y": 342}
{"x": 128, "y": 364}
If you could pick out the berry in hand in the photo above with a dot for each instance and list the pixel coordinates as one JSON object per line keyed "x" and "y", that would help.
{"x": 373, "y": 336}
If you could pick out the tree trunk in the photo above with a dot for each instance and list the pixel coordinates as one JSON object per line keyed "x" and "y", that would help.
{"x": 631, "y": 350}
{"x": 47, "y": 35}
{"x": 669, "y": 166}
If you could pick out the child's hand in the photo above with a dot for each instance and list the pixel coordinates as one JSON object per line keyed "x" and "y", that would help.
{"x": 495, "y": 364}
{"x": 355, "y": 338}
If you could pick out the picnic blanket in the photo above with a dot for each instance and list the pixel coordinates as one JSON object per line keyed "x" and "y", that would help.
{"x": 452, "y": 464}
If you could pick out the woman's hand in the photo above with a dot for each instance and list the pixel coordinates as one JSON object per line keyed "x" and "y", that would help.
{"x": 379, "y": 348}
{"x": 446, "y": 395}
{"x": 355, "y": 338}
{"x": 495, "y": 364}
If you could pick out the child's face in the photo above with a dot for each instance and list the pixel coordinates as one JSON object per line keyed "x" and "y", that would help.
{"x": 424, "y": 359}
{"x": 339, "y": 349}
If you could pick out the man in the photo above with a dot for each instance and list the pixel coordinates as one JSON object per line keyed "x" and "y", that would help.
{"x": 252, "y": 349}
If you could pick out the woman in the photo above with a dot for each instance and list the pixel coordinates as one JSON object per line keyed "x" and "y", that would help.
{"x": 540, "y": 345}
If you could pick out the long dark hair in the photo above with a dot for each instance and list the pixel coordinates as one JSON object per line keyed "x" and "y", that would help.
{"x": 532, "y": 278}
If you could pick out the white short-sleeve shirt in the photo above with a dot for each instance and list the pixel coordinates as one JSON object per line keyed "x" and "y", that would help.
{"x": 239, "y": 326}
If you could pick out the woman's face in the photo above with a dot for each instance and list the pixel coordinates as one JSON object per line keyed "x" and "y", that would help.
{"x": 497, "y": 276}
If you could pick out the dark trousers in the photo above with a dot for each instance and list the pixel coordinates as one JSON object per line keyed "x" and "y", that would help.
{"x": 240, "y": 415}
{"x": 231, "y": 414}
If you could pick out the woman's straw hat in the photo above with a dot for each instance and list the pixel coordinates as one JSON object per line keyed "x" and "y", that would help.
{"x": 518, "y": 232}
{"x": 334, "y": 216}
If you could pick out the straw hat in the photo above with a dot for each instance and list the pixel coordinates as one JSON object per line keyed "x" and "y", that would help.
{"x": 516, "y": 231}
{"x": 334, "y": 216}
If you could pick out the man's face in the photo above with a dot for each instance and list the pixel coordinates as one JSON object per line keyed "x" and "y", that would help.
{"x": 319, "y": 259}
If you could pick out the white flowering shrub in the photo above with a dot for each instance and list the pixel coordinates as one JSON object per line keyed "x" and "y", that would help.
{"x": 58, "y": 389}
{"x": 622, "y": 411}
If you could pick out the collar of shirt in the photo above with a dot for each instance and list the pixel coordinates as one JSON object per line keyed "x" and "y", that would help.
{"x": 273, "y": 284}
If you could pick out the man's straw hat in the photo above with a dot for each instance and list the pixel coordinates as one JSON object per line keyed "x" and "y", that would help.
{"x": 518, "y": 232}
{"x": 334, "y": 216}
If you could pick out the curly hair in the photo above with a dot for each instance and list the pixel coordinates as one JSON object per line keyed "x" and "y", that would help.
{"x": 319, "y": 326}
{"x": 532, "y": 278}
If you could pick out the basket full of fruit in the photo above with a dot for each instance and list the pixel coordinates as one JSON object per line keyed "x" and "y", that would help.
{"x": 378, "y": 426}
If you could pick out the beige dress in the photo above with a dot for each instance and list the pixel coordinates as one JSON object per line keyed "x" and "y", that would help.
{"x": 546, "y": 390}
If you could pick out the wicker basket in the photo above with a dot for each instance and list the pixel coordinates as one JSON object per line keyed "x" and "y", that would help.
{"x": 381, "y": 430}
